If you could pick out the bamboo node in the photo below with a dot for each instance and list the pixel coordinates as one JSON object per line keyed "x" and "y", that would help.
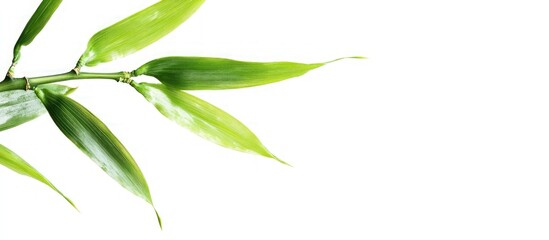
{"x": 11, "y": 71}
{"x": 27, "y": 84}
{"x": 127, "y": 78}
{"x": 76, "y": 70}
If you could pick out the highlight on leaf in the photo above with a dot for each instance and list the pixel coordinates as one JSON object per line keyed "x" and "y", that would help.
{"x": 203, "y": 73}
{"x": 34, "y": 26}
{"x": 91, "y": 136}
{"x": 203, "y": 119}
{"x": 20, "y": 106}
{"x": 137, "y": 31}
{"x": 14, "y": 162}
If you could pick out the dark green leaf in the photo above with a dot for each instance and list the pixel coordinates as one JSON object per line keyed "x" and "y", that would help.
{"x": 137, "y": 31}
{"x": 91, "y": 135}
{"x": 35, "y": 24}
{"x": 20, "y": 106}
{"x": 201, "y": 73}
{"x": 12, "y": 161}
{"x": 203, "y": 118}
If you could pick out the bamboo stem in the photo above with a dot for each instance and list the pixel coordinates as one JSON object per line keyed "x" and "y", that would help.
{"x": 20, "y": 83}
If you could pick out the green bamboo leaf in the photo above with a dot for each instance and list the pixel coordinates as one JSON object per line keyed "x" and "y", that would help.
{"x": 203, "y": 118}
{"x": 202, "y": 73}
{"x": 91, "y": 135}
{"x": 137, "y": 31}
{"x": 12, "y": 161}
{"x": 20, "y": 106}
{"x": 35, "y": 24}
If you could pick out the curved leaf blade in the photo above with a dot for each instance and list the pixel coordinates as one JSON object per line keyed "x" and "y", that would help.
{"x": 14, "y": 162}
{"x": 203, "y": 119}
{"x": 91, "y": 136}
{"x": 38, "y": 21}
{"x": 137, "y": 31}
{"x": 20, "y": 106}
{"x": 34, "y": 26}
{"x": 202, "y": 73}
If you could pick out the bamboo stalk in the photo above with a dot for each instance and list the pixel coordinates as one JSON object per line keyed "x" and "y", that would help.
{"x": 20, "y": 83}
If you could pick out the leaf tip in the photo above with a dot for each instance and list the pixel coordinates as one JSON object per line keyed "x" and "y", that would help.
{"x": 285, "y": 163}
{"x": 72, "y": 204}
{"x": 71, "y": 90}
{"x": 358, "y": 57}
{"x": 270, "y": 155}
{"x": 343, "y": 58}
{"x": 64, "y": 196}
{"x": 158, "y": 218}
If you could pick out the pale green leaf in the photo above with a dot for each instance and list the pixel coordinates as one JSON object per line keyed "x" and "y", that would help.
{"x": 202, "y": 73}
{"x": 137, "y": 31}
{"x": 203, "y": 118}
{"x": 20, "y": 106}
{"x": 14, "y": 162}
{"x": 91, "y": 135}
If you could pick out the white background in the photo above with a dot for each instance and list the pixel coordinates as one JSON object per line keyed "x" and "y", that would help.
{"x": 441, "y": 134}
